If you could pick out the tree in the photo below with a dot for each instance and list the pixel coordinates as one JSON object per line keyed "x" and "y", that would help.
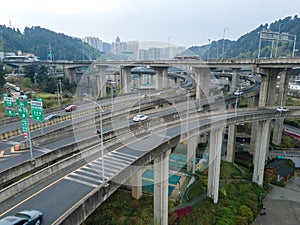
{"x": 26, "y": 82}
{"x": 2, "y": 74}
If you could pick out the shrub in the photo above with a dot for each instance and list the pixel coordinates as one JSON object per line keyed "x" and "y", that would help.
{"x": 246, "y": 212}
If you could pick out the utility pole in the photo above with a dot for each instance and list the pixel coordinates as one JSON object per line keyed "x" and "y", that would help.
{"x": 278, "y": 37}
{"x": 223, "y": 48}
{"x": 50, "y": 56}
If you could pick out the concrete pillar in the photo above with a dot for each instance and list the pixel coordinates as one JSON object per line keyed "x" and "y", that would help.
{"x": 254, "y": 128}
{"x": 161, "y": 75}
{"x": 191, "y": 153}
{"x": 283, "y": 89}
{"x": 126, "y": 79}
{"x": 70, "y": 73}
{"x": 202, "y": 82}
{"x": 215, "y": 144}
{"x": 161, "y": 182}
{"x": 231, "y": 143}
{"x": 267, "y": 86}
{"x": 261, "y": 146}
{"x": 137, "y": 186}
{"x": 234, "y": 84}
{"x": 101, "y": 81}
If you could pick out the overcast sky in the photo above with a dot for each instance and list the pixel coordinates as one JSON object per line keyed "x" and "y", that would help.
{"x": 182, "y": 22}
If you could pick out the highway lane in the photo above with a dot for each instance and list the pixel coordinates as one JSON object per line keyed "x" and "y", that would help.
{"x": 42, "y": 149}
{"x": 61, "y": 195}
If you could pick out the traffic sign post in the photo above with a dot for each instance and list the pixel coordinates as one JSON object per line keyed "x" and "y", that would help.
{"x": 9, "y": 106}
{"x": 22, "y": 112}
{"x": 25, "y": 126}
{"x": 22, "y": 103}
{"x": 37, "y": 110}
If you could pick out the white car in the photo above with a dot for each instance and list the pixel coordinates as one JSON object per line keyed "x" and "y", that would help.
{"x": 139, "y": 118}
{"x": 282, "y": 109}
{"x": 238, "y": 92}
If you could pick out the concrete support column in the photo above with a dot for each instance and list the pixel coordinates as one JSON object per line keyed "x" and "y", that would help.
{"x": 126, "y": 79}
{"x": 161, "y": 74}
{"x": 101, "y": 81}
{"x": 137, "y": 186}
{"x": 70, "y": 73}
{"x": 254, "y": 128}
{"x": 261, "y": 146}
{"x": 268, "y": 86}
{"x": 253, "y": 102}
{"x": 202, "y": 75}
{"x": 191, "y": 153}
{"x": 215, "y": 144}
{"x": 161, "y": 182}
{"x": 103, "y": 85}
{"x": 231, "y": 143}
{"x": 234, "y": 84}
{"x": 283, "y": 89}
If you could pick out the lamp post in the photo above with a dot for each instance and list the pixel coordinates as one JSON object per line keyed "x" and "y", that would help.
{"x": 236, "y": 103}
{"x": 223, "y": 48}
{"x": 101, "y": 137}
{"x": 278, "y": 37}
{"x": 208, "y": 49}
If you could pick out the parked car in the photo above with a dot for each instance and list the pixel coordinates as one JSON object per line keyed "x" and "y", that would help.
{"x": 52, "y": 117}
{"x": 139, "y": 118}
{"x": 70, "y": 108}
{"x": 282, "y": 109}
{"x": 26, "y": 217}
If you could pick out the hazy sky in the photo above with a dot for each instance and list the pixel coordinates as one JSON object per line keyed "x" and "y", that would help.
{"x": 182, "y": 22}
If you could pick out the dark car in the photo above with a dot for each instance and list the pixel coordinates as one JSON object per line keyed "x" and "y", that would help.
{"x": 52, "y": 117}
{"x": 26, "y": 217}
{"x": 70, "y": 108}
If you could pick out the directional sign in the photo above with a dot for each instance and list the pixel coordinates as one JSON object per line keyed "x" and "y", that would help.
{"x": 22, "y": 112}
{"x": 37, "y": 110}
{"x": 21, "y": 101}
{"x": 25, "y": 126}
{"x": 9, "y": 106}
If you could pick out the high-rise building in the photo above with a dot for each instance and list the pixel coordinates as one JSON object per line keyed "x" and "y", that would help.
{"x": 155, "y": 53}
{"x": 94, "y": 42}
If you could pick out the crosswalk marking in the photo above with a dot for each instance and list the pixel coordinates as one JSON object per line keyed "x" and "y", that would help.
{"x": 81, "y": 182}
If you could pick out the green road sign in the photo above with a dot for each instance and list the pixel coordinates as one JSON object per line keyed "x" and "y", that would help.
{"x": 37, "y": 110}
{"x": 21, "y": 101}
{"x": 9, "y": 111}
{"x": 38, "y": 115}
{"x": 24, "y": 126}
{"x": 22, "y": 113}
{"x": 9, "y": 106}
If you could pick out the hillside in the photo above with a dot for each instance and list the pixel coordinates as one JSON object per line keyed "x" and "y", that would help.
{"x": 37, "y": 40}
{"x": 247, "y": 45}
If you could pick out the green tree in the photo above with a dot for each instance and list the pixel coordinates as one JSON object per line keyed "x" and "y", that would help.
{"x": 2, "y": 74}
{"x": 26, "y": 82}
{"x": 246, "y": 212}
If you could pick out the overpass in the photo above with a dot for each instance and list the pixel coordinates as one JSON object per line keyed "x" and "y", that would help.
{"x": 262, "y": 120}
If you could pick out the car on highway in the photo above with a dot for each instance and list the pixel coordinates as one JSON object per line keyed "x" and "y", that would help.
{"x": 282, "y": 109}
{"x": 139, "y": 118}
{"x": 70, "y": 108}
{"x": 52, "y": 117}
{"x": 26, "y": 217}
{"x": 238, "y": 93}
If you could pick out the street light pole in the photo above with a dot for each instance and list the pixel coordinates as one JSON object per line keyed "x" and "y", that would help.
{"x": 101, "y": 138}
{"x": 278, "y": 37}
{"x": 236, "y": 102}
{"x": 208, "y": 49}
{"x": 223, "y": 48}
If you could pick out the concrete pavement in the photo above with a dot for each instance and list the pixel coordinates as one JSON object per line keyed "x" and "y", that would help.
{"x": 282, "y": 205}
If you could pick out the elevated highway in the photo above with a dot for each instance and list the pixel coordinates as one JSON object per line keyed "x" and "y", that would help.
{"x": 85, "y": 179}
